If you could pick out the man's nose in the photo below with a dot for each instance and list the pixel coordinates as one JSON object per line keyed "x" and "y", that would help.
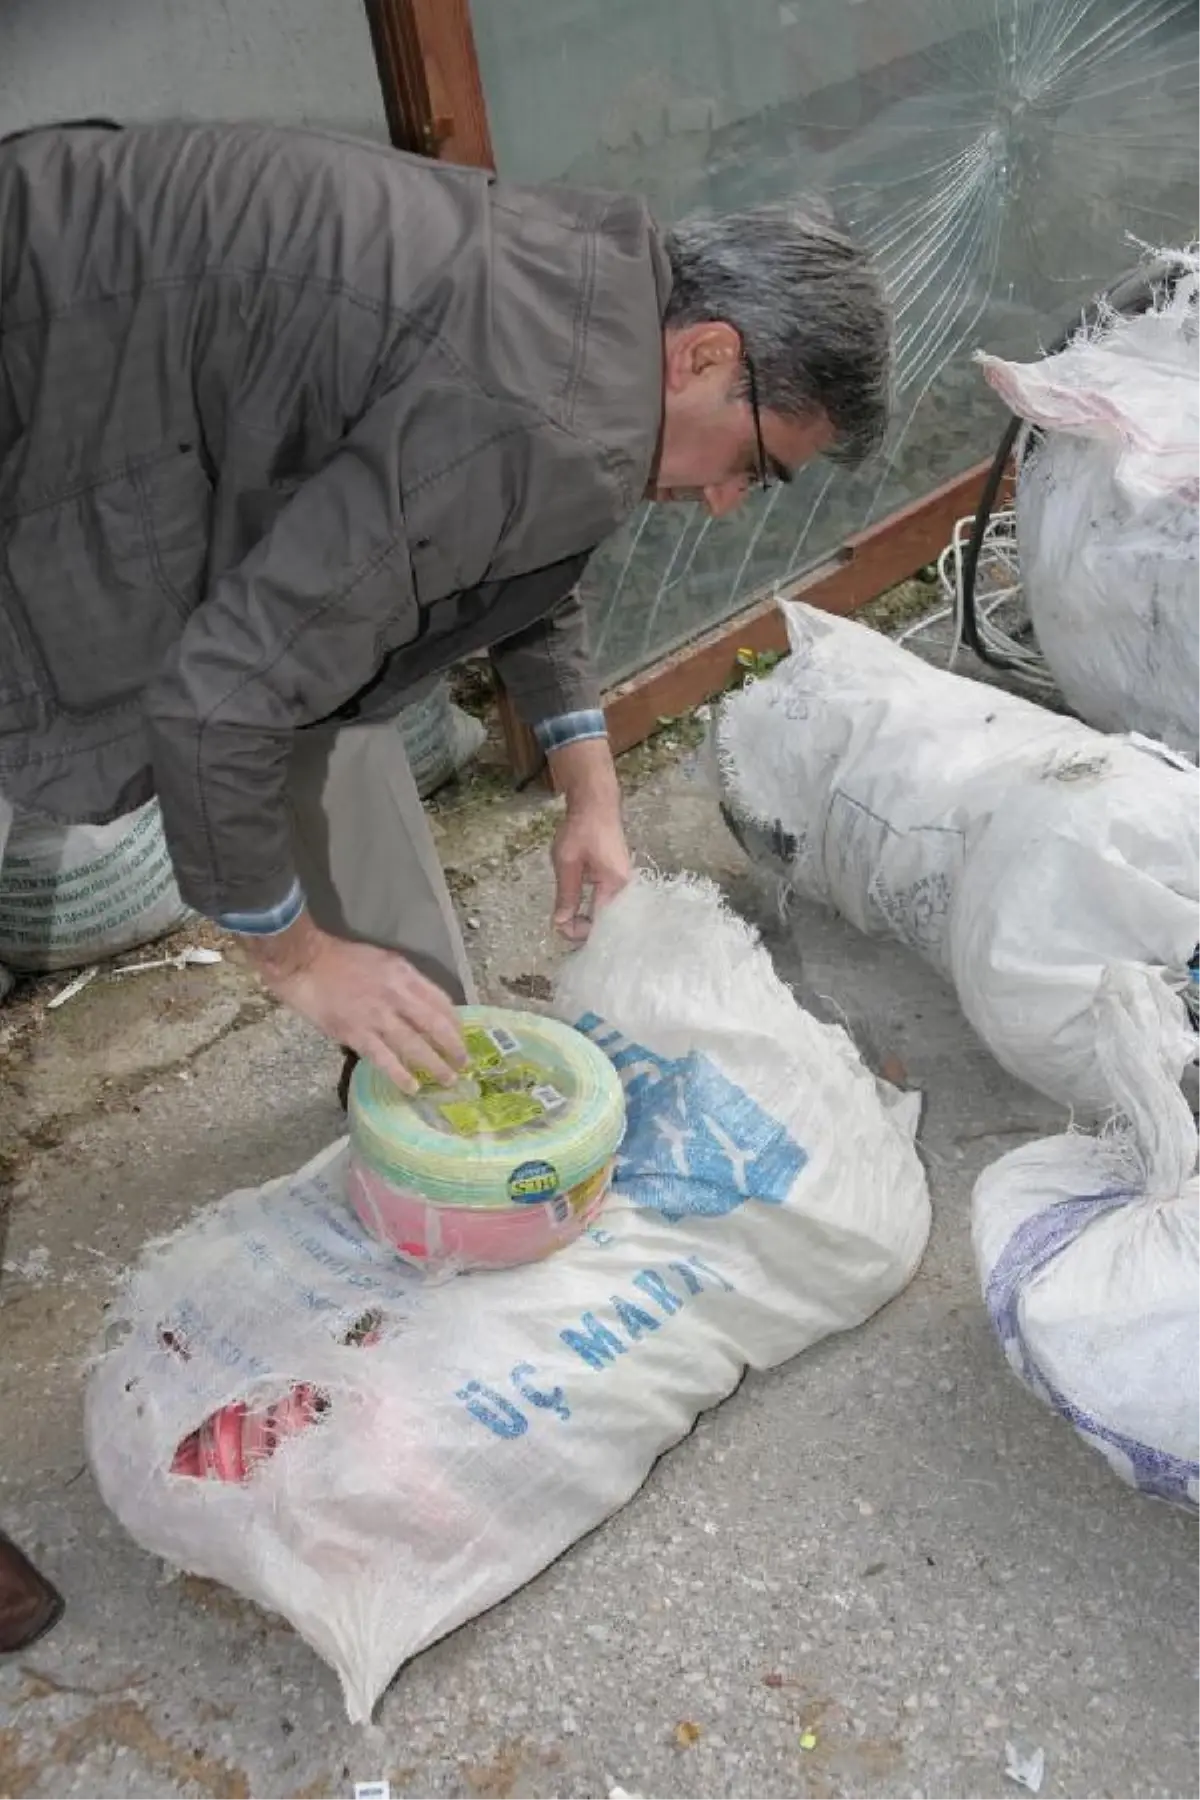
{"x": 725, "y": 497}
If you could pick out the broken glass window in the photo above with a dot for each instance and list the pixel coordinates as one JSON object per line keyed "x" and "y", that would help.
{"x": 1003, "y": 159}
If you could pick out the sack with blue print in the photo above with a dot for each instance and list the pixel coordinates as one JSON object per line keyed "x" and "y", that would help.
{"x": 430, "y": 1448}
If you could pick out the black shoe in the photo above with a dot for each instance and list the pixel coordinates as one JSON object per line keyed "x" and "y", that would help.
{"x": 29, "y": 1606}
{"x": 348, "y": 1068}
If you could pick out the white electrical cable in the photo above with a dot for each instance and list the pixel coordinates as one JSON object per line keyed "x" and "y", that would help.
{"x": 999, "y": 606}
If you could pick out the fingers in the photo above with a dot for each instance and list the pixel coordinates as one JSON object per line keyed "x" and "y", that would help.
{"x": 415, "y": 1054}
{"x": 375, "y": 1001}
{"x": 568, "y": 898}
{"x": 424, "y": 992}
{"x": 424, "y": 1007}
{"x": 575, "y": 924}
{"x": 575, "y": 930}
{"x": 573, "y": 913}
{"x": 375, "y": 1051}
{"x": 414, "y": 1023}
{"x": 602, "y": 892}
{"x": 607, "y": 886}
{"x": 571, "y": 917}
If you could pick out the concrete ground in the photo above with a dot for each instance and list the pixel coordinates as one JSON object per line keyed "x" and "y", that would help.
{"x": 886, "y": 1544}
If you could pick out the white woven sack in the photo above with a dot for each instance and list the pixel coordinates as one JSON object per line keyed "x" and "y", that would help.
{"x": 439, "y": 738}
{"x": 1107, "y": 525}
{"x": 1052, "y": 874}
{"x": 1034, "y": 862}
{"x": 72, "y": 894}
{"x": 1090, "y": 1262}
{"x": 768, "y": 1194}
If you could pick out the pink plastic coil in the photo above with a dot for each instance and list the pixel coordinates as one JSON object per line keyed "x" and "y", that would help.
{"x": 469, "y": 1237}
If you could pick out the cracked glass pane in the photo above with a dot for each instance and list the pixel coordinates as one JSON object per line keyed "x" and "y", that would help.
{"x": 1003, "y": 159}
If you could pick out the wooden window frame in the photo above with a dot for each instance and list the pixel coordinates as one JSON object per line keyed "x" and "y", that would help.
{"x": 435, "y": 105}
{"x": 429, "y": 74}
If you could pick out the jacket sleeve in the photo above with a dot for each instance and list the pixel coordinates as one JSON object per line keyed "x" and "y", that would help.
{"x": 281, "y": 641}
{"x": 547, "y": 668}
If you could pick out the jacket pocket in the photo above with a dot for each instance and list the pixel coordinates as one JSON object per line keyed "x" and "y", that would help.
{"x": 100, "y": 580}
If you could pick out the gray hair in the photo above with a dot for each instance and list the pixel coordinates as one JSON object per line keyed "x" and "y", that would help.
{"x": 809, "y": 309}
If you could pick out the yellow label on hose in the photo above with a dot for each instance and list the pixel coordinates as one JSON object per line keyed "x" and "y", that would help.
{"x": 491, "y": 1112}
{"x": 482, "y": 1050}
{"x": 506, "y": 1112}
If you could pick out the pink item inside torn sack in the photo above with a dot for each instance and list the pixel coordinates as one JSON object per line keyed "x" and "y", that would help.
{"x": 235, "y": 1440}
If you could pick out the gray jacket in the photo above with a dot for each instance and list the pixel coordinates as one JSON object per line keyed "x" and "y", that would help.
{"x": 288, "y": 422}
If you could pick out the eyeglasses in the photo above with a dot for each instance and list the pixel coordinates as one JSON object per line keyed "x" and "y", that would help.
{"x": 764, "y": 473}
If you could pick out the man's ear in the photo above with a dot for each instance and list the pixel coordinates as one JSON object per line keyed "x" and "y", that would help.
{"x": 696, "y": 352}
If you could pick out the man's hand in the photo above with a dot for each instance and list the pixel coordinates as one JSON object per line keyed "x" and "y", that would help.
{"x": 590, "y": 856}
{"x": 368, "y": 999}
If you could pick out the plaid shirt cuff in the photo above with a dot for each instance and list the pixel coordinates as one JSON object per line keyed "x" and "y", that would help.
{"x": 569, "y": 728}
{"x": 269, "y": 922}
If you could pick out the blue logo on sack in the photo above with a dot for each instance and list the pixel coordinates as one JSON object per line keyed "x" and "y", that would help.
{"x": 695, "y": 1144}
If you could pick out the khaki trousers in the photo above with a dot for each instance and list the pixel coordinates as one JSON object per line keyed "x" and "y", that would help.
{"x": 365, "y": 854}
{"x": 364, "y": 851}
